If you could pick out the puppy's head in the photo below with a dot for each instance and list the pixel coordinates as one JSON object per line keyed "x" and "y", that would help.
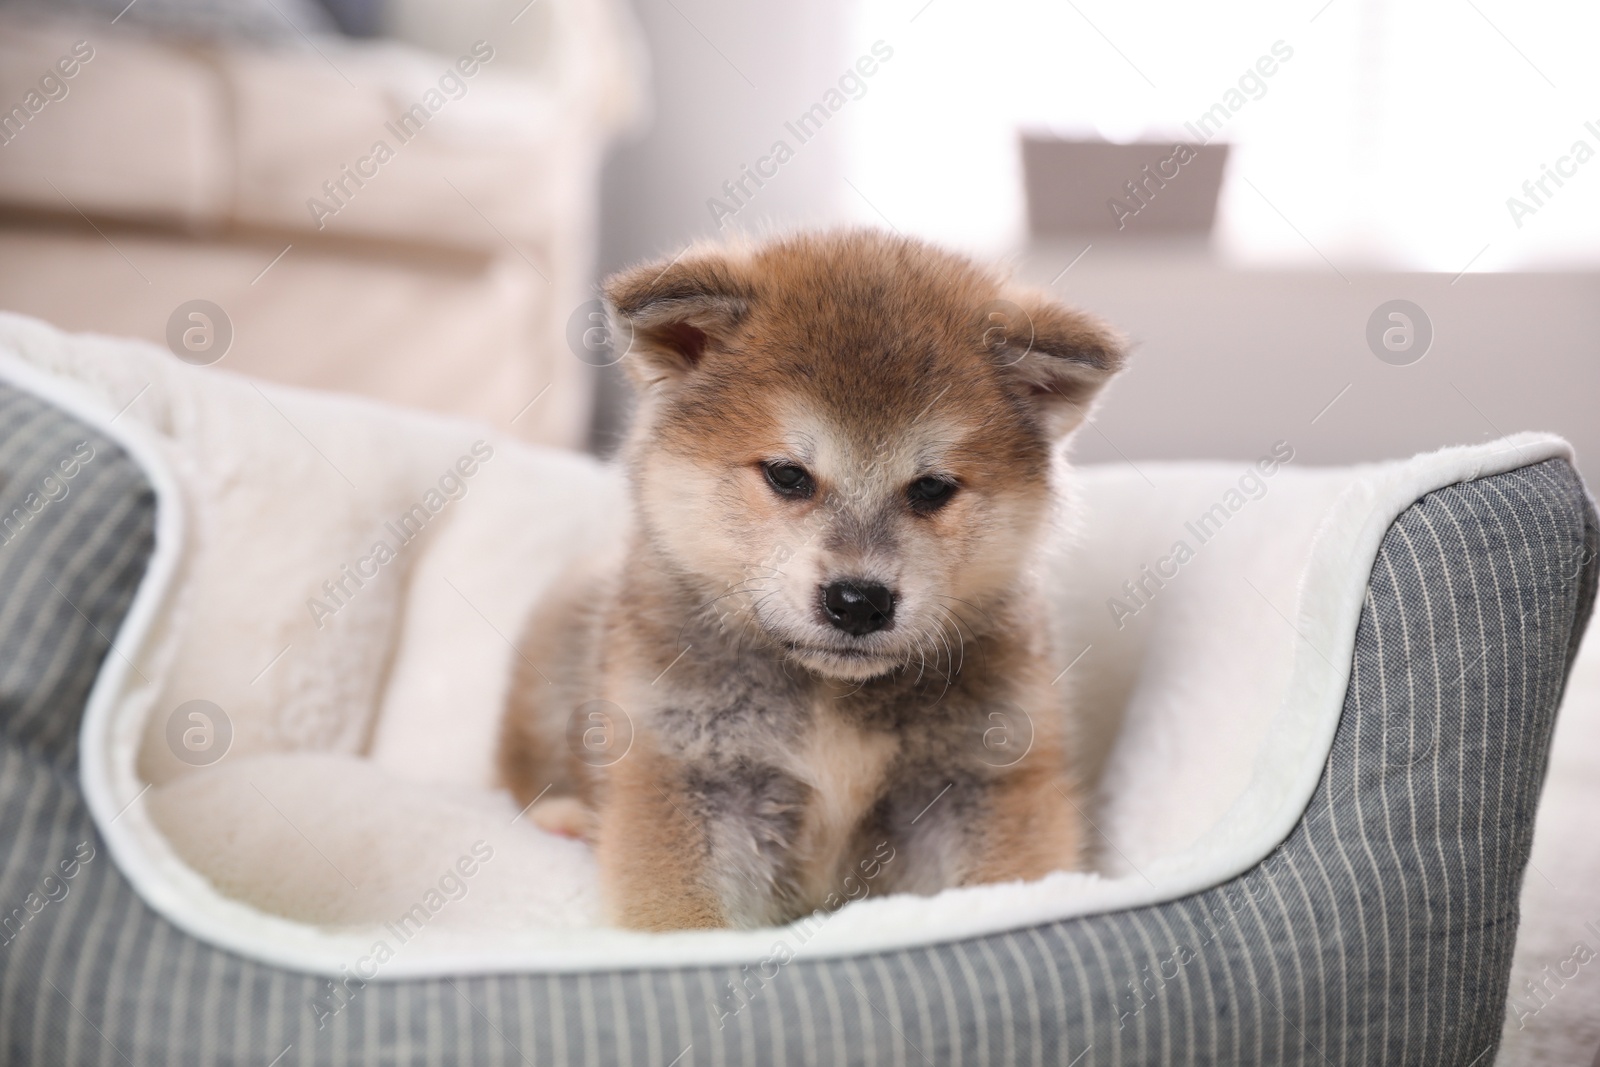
{"x": 844, "y": 439}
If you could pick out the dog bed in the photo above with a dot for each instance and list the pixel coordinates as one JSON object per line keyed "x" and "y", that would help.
{"x": 1317, "y": 737}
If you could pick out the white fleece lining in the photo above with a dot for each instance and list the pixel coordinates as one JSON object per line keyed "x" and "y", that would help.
{"x": 1288, "y": 764}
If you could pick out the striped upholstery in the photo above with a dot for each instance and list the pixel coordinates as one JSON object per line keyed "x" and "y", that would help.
{"x": 1380, "y": 932}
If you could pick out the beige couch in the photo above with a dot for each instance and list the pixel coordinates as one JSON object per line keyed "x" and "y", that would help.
{"x": 441, "y": 273}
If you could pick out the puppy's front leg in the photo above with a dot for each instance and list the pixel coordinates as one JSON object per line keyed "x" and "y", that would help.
{"x": 1029, "y": 826}
{"x": 653, "y": 853}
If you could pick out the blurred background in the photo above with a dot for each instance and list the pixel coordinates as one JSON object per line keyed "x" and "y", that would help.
{"x": 1365, "y": 227}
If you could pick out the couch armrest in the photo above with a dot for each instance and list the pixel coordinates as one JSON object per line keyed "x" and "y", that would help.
{"x": 138, "y": 130}
{"x": 478, "y": 143}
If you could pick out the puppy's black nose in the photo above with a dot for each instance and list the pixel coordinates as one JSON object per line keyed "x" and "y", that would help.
{"x": 858, "y": 607}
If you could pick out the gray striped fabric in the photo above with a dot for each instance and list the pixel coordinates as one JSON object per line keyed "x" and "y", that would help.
{"x": 1379, "y": 933}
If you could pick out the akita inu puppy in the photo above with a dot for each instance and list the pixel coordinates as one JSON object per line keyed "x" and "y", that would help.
{"x": 825, "y": 644}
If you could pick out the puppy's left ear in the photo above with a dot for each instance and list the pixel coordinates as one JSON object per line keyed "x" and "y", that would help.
{"x": 1058, "y": 357}
{"x": 671, "y": 313}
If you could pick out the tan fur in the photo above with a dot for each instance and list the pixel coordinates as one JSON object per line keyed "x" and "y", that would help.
{"x": 648, "y": 850}
{"x": 779, "y": 764}
{"x": 554, "y": 668}
{"x": 844, "y": 765}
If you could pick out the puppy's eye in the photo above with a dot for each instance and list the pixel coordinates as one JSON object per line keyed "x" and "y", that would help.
{"x": 788, "y": 479}
{"x": 930, "y": 494}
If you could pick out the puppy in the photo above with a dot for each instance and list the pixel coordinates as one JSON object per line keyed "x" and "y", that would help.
{"x": 823, "y": 666}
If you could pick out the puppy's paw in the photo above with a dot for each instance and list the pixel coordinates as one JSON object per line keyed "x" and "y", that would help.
{"x": 566, "y": 816}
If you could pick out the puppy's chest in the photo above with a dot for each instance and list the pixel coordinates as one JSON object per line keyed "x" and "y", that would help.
{"x": 847, "y": 767}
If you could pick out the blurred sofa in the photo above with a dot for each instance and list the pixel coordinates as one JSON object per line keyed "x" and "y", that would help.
{"x": 244, "y": 169}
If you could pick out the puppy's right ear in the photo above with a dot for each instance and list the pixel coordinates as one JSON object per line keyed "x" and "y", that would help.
{"x": 668, "y": 314}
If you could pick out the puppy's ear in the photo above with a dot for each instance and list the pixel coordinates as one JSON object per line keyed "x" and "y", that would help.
{"x": 1057, "y": 357}
{"x": 668, "y": 313}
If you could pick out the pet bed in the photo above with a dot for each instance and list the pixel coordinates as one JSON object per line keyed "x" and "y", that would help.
{"x": 1318, "y": 737}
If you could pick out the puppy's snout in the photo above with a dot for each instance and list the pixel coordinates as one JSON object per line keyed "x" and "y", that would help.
{"x": 858, "y": 607}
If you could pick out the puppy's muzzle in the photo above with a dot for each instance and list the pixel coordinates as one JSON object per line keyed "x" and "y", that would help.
{"x": 858, "y": 607}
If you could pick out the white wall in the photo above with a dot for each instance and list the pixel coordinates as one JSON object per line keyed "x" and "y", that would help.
{"x": 1389, "y": 142}
{"x": 725, "y": 77}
